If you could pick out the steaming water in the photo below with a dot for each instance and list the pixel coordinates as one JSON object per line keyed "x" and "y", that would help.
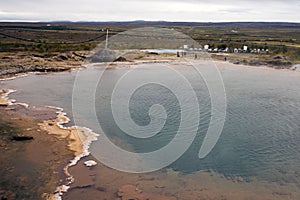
{"x": 261, "y": 136}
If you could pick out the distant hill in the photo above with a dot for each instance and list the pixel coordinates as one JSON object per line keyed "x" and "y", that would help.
{"x": 157, "y": 23}
{"x": 166, "y": 23}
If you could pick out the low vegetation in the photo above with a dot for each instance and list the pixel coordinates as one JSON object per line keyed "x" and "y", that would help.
{"x": 281, "y": 39}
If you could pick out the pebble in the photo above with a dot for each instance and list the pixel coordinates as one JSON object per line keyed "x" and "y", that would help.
{"x": 90, "y": 163}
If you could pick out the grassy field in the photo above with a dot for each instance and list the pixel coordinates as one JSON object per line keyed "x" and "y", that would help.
{"x": 280, "y": 38}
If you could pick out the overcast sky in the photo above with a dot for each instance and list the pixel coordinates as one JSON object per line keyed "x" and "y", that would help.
{"x": 168, "y": 10}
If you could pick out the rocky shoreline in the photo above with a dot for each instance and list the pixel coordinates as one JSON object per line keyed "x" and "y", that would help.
{"x": 275, "y": 62}
{"x": 21, "y": 63}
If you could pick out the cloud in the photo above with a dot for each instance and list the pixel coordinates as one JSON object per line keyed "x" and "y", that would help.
{"x": 170, "y": 10}
{"x": 236, "y": 10}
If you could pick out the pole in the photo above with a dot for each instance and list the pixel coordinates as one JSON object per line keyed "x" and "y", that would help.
{"x": 106, "y": 43}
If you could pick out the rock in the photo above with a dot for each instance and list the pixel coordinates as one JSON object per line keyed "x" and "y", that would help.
{"x": 159, "y": 186}
{"x": 7, "y": 195}
{"x": 239, "y": 179}
{"x": 7, "y": 58}
{"x": 280, "y": 64}
{"x": 278, "y": 58}
{"x": 90, "y": 163}
{"x": 101, "y": 189}
{"x": 9, "y": 109}
{"x": 121, "y": 59}
{"x": 83, "y": 186}
{"x": 130, "y": 192}
{"x": 103, "y": 56}
{"x": 63, "y": 57}
{"x": 78, "y": 55}
{"x": 154, "y": 53}
{"x": 51, "y": 124}
{"x": 21, "y": 138}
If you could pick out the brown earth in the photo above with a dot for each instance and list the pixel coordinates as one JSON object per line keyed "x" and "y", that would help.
{"x": 30, "y": 169}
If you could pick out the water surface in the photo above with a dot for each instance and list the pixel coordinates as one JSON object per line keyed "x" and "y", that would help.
{"x": 261, "y": 136}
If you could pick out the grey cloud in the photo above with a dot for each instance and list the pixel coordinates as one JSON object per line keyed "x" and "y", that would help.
{"x": 236, "y": 10}
{"x": 171, "y": 10}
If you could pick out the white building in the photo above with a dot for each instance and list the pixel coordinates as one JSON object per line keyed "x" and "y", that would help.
{"x": 206, "y": 47}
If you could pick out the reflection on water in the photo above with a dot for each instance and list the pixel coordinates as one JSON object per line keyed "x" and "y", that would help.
{"x": 260, "y": 140}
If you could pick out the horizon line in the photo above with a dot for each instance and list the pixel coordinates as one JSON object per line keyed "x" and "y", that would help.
{"x": 130, "y": 21}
